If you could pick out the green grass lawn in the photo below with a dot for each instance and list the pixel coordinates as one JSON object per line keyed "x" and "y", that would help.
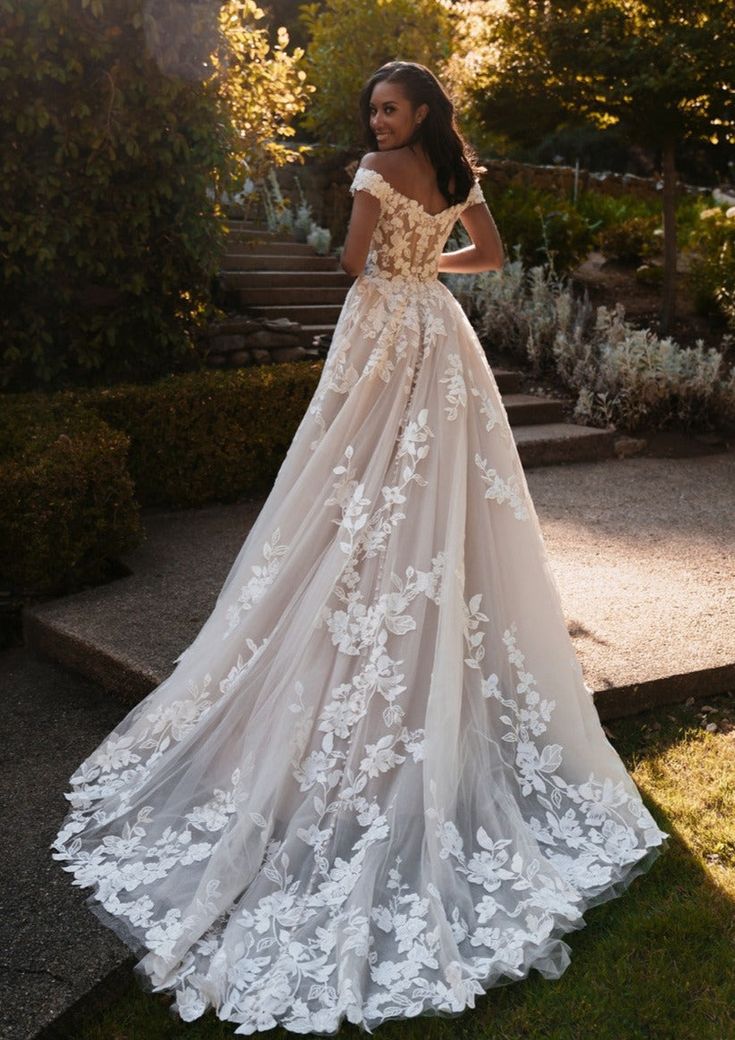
{"x": 656, "y": 964}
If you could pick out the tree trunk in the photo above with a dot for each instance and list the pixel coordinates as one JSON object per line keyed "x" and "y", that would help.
{"x": 668, "y": 303}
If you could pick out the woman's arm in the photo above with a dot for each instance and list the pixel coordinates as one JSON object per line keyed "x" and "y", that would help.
{"x": 363, "y": 218}
{"x": 485, "y": 253}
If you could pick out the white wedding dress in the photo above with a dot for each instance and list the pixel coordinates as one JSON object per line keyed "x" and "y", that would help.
{"x": 375, "y": 785}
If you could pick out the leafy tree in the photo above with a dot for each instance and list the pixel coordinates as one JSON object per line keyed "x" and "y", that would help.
{"x": 663, "y": 70}
{"x": 350, "y": 39}
{"x": 467, "y": 69}
{"x": 261, "y": 88}
{"x": 121, "y": 124}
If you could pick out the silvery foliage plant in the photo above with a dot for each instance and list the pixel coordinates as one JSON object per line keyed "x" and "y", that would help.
{"x": 278, "y": 213}
{"x": 623, "y": 376}
{"x": 319, "y": 239}
{"x": 304, "y": 221}
{"x": 634, "y": 377}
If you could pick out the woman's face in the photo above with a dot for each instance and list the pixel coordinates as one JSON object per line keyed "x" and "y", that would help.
{"x": 392, "y": 118}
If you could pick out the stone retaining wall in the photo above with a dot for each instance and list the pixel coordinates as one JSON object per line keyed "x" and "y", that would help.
{"x": 561, "y": 178}
{"x": 239, "y": 341}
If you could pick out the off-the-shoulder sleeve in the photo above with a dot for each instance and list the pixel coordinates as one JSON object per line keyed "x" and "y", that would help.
{"x": 368, "y": 180}
{"x": 475, "y": 195}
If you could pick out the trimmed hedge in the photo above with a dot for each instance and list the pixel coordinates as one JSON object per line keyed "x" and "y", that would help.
{"x": 67, "y": 505}
{"x": 76, "y": 466}
{"x": 209, "y": 436}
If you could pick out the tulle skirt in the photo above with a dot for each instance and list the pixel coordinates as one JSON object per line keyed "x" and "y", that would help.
{"x": 375, "y": 784}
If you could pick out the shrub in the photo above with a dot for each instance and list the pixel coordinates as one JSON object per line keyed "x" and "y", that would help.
{"x": 67, "y": 505}
{"x": 278, "y": 210}
{"x": 602, "y": 211}
{"x": 76, "y": 465}
{"x": 545, "y": 228}
{"x": 520, "y": 310}
{"x": 208, "y": 436}
{"x": 631, "y": 240}
{"x": 303, "y": 223}
{"x": 712, "y": 272}
{"x": 650, "y": 274}
{"x": 632, "y": 377}
{"x": 319, "y": 239}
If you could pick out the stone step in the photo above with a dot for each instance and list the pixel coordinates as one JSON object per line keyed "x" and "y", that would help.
{"x": 532, "y": 410}
{"x": 287, "y": 295}
{"x": 260, "y": 281}
{"x": 268, "y": 246}
{"x": 269, "y": 262}
{"x": 309, "y": 331}
{"x": 509, "y": 381}
{"x": 251, "y": 227}
{"x": 305, "y": 313}
{"x": 546, "y": 444}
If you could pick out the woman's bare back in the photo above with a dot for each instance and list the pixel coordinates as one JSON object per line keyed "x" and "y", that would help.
{"x": 413, "y": 174}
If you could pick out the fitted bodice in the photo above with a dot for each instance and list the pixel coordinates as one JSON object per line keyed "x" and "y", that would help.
{"x": 408, "y": 240}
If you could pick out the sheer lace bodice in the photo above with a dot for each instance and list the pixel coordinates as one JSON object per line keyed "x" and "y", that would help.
{"x": 408, "y": 240}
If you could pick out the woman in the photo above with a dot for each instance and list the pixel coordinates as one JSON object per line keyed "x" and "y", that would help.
{"x": 428, "y": 161}
{"x": 375, "y": 785}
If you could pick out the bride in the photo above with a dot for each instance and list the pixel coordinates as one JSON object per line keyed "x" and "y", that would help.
{"x": 375, "y": 785}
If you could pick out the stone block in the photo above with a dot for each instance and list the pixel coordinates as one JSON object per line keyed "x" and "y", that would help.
{"x": 279, "y": 324}
{"x": 238, "y": 325}
{"x": 261, "y": 357}
{"x": 227, "y": 344}
{"x": 288, "y": 354}
{"x": 625, "y": 447}
{"x": 269, "y": 340}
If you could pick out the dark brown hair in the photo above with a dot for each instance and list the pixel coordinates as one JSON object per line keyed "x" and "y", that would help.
{"x": 438, "y": 132}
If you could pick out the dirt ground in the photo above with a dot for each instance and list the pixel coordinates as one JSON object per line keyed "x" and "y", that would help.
{"x": 608, "y": 282}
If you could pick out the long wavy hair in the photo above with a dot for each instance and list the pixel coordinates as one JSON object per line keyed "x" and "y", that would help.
{"x": 438, "y": 133}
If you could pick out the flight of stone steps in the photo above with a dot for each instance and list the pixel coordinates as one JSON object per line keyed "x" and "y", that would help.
{"x": 270, "y": 276}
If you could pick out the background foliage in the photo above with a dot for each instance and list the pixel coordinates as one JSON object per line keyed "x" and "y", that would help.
{"x": 713, "y": 268}
{"x": 662, "y": 72}
{"x": 658, "y": 71}
{"x": 123, "y": 123}
{"x": 350, "y": 39}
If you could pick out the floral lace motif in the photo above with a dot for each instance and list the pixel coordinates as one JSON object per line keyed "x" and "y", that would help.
{"x": 263, "y": 576}
{"x": 407, "y": 239}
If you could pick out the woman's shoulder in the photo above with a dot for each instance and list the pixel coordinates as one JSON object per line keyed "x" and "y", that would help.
{"x": 387, "y": 164}
{"x": 399, "y": 168}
